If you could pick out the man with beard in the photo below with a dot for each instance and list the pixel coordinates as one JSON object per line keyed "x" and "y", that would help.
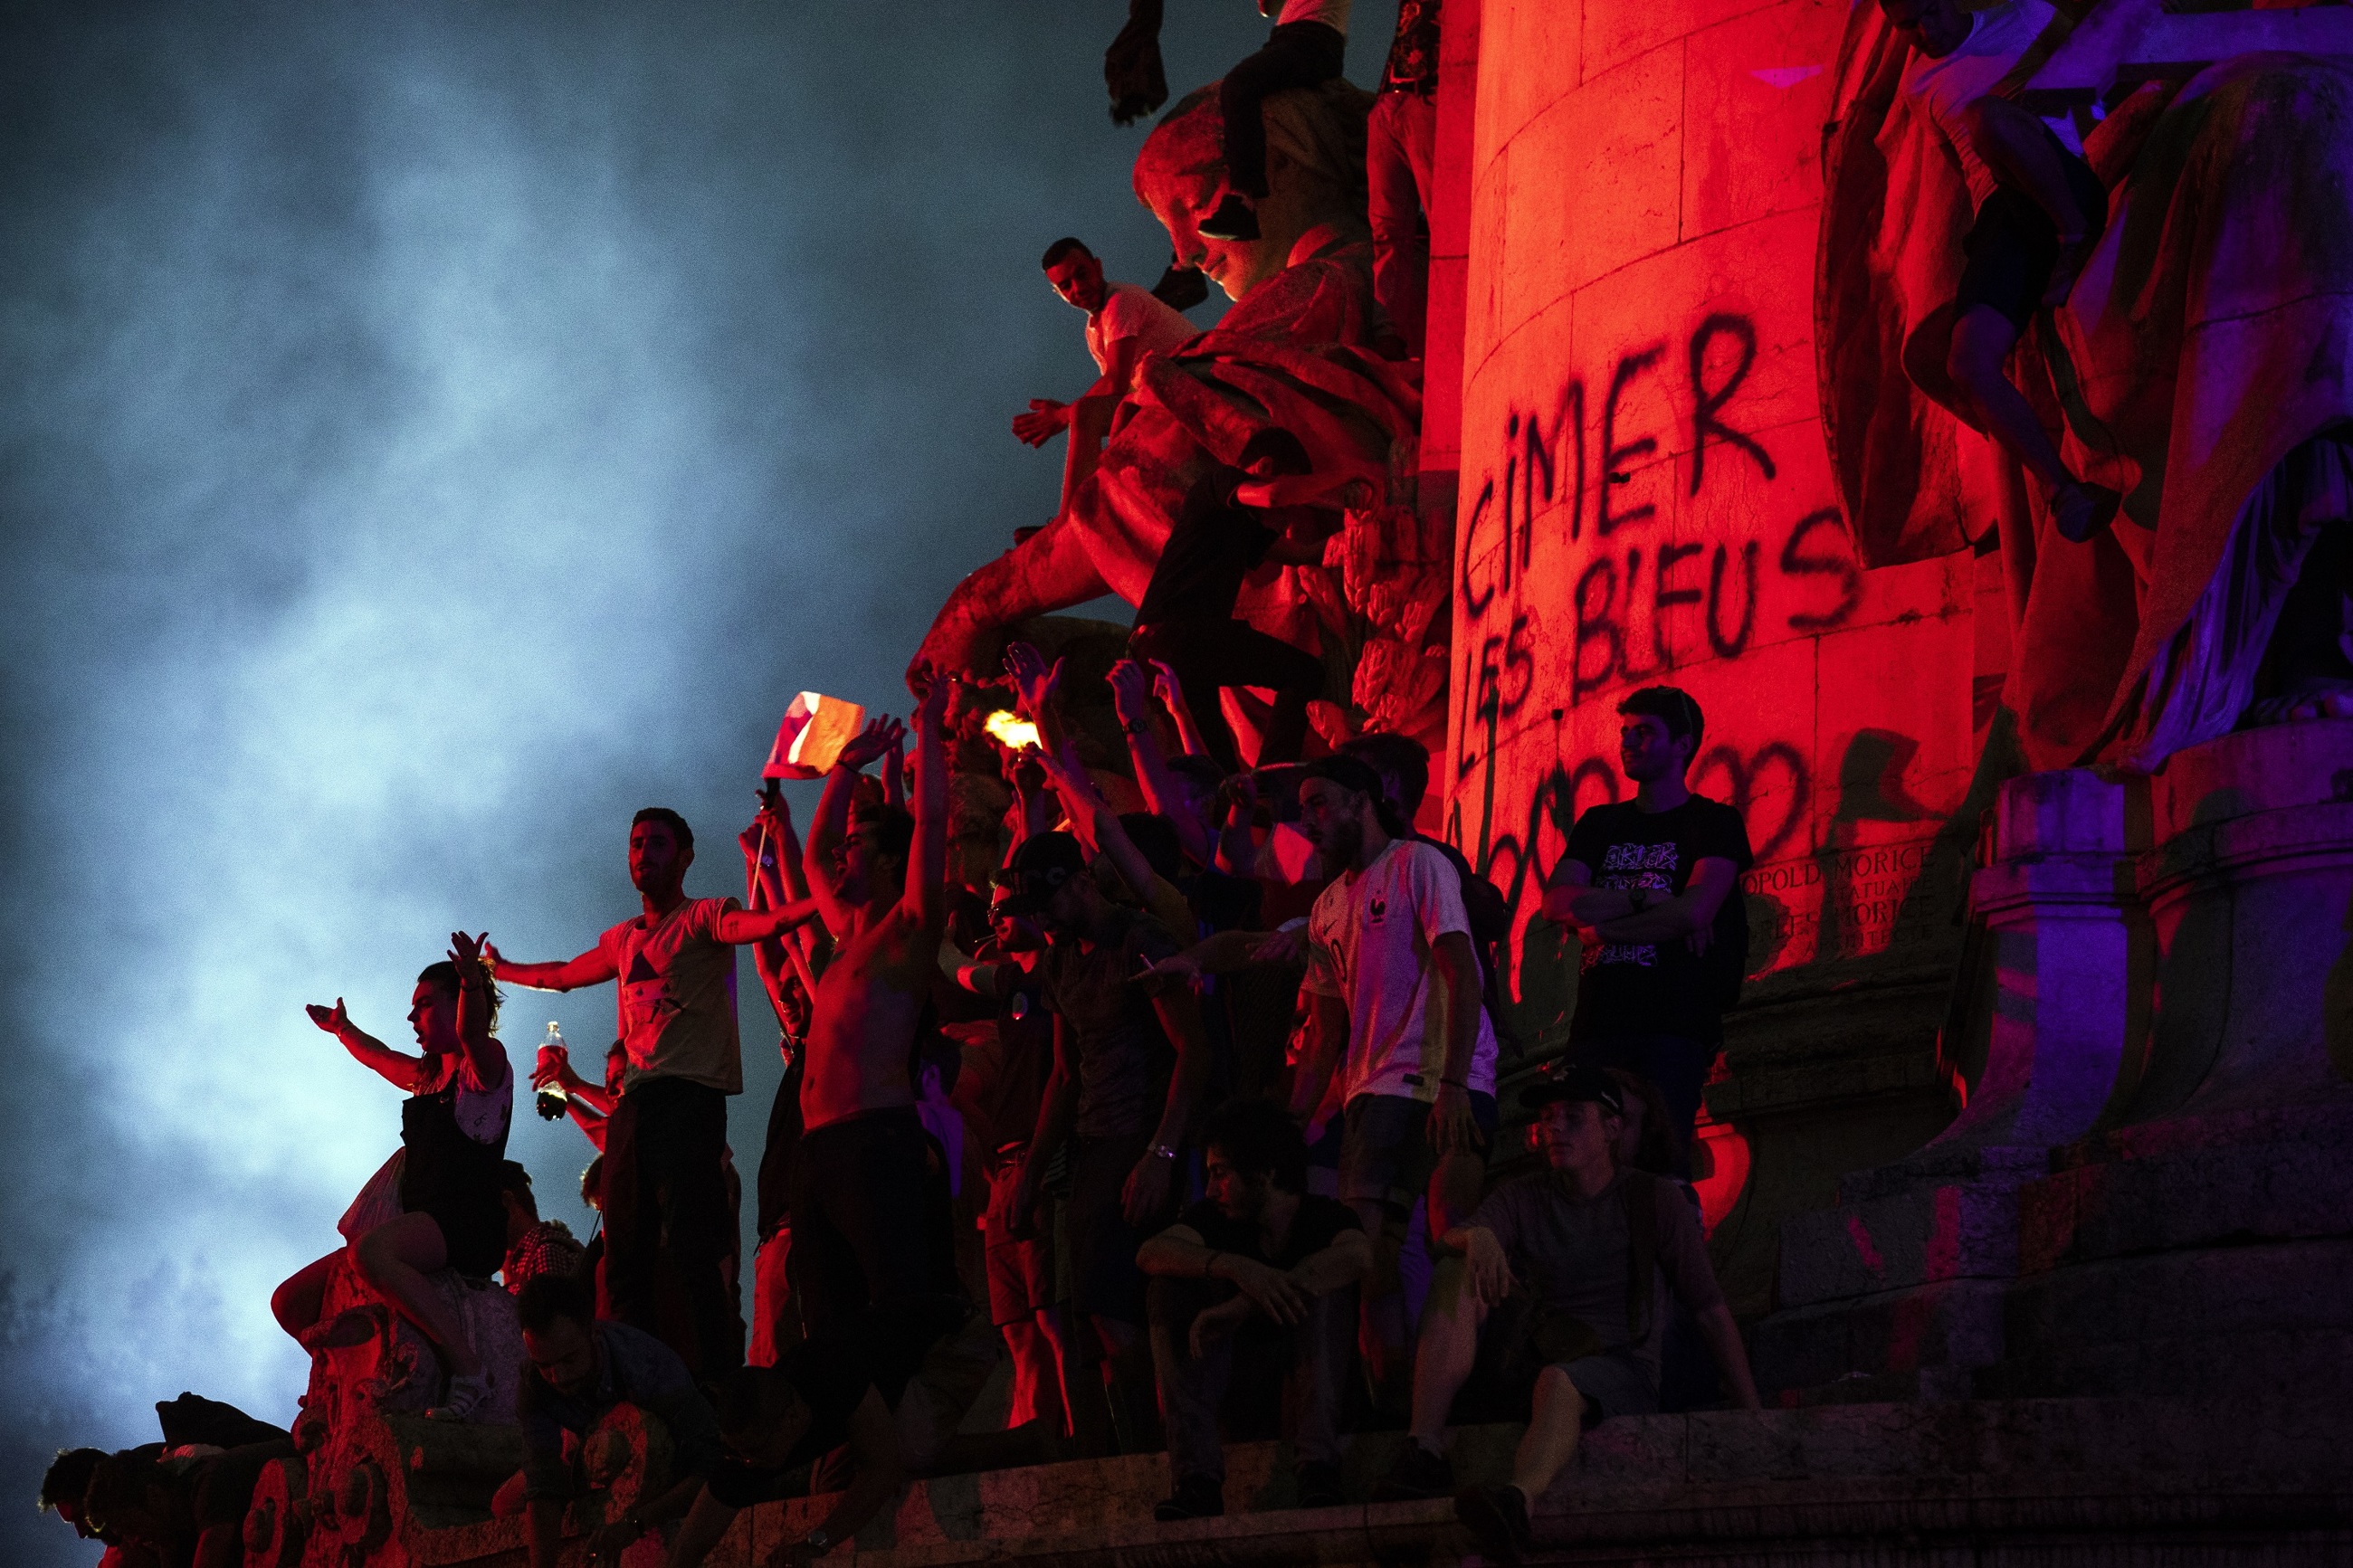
{"x": 1130, "y": 1060}
{"x": 1393, "y": 989}
{"x": 1258, "y": 1275}
{"x": 1647, "y": 884}
{"x": 575, "y": 1369}
{"x": 870, "y": 1242}
{"x": 664, "y": 1143}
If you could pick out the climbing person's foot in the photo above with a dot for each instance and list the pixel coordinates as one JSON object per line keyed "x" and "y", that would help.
{"x": 465, "y": 1395}
{"x": 1181, "y": 287}
{"x": 1195, "y": 1497}
{"x": 2323, "y": 697}
{"x": 1234, "y": 219}
{"x": 2073, "y": 254}
{"x": 1418, "y": 1473}
{"x": 1498, "y": 1515}
{"x": 2081, "y": 511}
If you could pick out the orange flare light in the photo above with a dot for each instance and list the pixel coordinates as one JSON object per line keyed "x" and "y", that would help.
{"x": 1010, "y": 728}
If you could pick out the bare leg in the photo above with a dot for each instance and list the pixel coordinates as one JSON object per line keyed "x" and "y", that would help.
{"x": 1982, "y": 340}
{"x": 1083, "y": 1401}
{"x": 1129, "y": 1384}
{"x": 1550, "y": 1441}
{"x": 395, "y": 1257}
{"x": 1449, "y": 1344}
{"x": 2018, "y": 148}
{"x": 1455, "y": 1188}
{"x": 1382, "y": 1337}
{"x": 296, "y": 1304}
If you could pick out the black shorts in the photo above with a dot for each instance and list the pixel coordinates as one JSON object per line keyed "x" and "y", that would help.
{"x": 2013, "y": 244}
{"x": 1101, "y": 1244}
{"x": 867, "y": 1228}
{"x": 1385, "y": 1153}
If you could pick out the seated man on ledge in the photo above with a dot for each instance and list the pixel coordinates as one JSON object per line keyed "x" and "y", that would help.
{"x": 1584, "y": 1243}
{"x": 575, "y": 1369}
{"x": 1259, "y": 1271}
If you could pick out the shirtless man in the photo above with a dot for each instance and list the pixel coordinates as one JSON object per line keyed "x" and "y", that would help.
{"x": 864, "y": 1237}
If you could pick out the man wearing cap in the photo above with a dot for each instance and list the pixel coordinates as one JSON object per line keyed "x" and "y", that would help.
{"x": 1129, "y": 1059}
{"x": 1582, "y": 1247}
{"x": 1393, "y": 990}
{"x": 1650, "y": 886}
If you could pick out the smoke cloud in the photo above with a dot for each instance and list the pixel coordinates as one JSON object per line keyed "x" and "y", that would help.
{"x": 433, "y": 431}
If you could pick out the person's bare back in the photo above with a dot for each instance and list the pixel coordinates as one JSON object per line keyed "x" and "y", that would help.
{"x": 879, "y": 879}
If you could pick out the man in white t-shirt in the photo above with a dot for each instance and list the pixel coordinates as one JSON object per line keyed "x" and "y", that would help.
{"x": 1124, "y": 323}
{"x": 2040, "y": 210}
{"x": 665, "y": 1183}
{"x": 1393, "y": 986}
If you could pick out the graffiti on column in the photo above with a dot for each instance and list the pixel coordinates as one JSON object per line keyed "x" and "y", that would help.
{"x": 1633, "y": 604}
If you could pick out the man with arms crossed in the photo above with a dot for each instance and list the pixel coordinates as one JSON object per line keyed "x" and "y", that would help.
{"x": 664, "y": 1143}
{"x": 1650, "y": 884}
{"x": 865, "y": 1258}
{"x": 1393, "y": 988}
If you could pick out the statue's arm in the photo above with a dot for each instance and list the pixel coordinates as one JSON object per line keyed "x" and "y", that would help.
{"x": 1049, "y": 571}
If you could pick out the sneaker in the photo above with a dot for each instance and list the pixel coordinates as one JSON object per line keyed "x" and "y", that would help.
{"x": 1318, "y": 1483}
{"x": 1418, "y": 1474}
{"x": 1234, "y": 219}
{"x": 466, "y": 1395}
{"x": 1498, "y": 1515}
{"x": 1181, "y": 287}
{"x": 1196, "y": 1496}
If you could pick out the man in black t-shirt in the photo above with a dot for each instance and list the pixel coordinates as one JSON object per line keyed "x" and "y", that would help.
{"x": 1258, "y": 1272}
{"x": 1651, "y": 885}
{"x": 774, "y": 1420}
{"x": 1185, "y": 618}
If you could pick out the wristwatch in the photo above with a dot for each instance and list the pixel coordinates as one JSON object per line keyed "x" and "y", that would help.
{"x": 818, "y": 1538}
{"x": 1161, "y": 1151}
{"x": 1639, "y": 898}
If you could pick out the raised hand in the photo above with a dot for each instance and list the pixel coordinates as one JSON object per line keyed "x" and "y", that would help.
{"x": 1130, "y": 692}
{"x": 467, "y": 950}
{"x": 334, "y": 1020}
{"x": 871, "y": 743}
{"x": 1045, "y": 420}
{"x": 1034, "y": 683}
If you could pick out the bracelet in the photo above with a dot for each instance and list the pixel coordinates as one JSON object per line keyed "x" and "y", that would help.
{"x": 1161, "y": 1151}
{"x": 1455, "y": 1083}
{"x": 1138, "y": 727}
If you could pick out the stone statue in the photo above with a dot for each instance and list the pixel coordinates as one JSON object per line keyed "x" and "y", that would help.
{"x": 2202, "y": 367}
{"x": 1293, "y": 353}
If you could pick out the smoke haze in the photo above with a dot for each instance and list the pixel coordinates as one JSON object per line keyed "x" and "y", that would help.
{"x": 431, "y": 432}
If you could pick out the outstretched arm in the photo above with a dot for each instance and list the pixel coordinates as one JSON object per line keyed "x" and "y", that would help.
{"x": 737, "y": 927}
{"x": 484, "y": 1055}
{"x": 398, "y": 1070}
{"x": 1099, "y": 827}
{"x": 927, "y": 866}
{"x": 591, "y": 968}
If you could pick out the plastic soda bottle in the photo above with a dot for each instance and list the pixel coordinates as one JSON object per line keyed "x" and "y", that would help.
{"x": 553, "y": 1101}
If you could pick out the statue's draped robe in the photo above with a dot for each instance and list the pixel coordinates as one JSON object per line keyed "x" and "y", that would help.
{"x": 2204, "y": 367}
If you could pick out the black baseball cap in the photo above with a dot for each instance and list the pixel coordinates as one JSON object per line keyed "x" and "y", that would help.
{"x": 1577, "y": 1083}
{"x": 1039, "y": 864}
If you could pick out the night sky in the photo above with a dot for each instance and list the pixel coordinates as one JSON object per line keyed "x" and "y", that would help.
{"x": 430, "y": 432}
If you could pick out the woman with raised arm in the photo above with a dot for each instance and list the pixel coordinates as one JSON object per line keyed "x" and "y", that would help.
{"x": 453, "y": 1136}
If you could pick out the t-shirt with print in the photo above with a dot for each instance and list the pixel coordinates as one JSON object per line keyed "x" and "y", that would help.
{"x": 1572, "y": 1254}
{"x": 1130, "y": 311}
{"x": 1660, "y": 988}
{"x": 1413, "y": 54}
{"x": 832, "y": 1379}
{"x": 678, "y": 997}
{"x": 1945, "y": 87}
{"x": 1124, "y": 1056}
{"x": 1368, "y": 943}
{"x": 1318, "y": 1224}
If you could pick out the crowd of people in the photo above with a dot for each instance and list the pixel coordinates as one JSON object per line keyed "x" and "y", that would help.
{"x": 1178, "y": 1107}
{"x": 1170, "y": 1079}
